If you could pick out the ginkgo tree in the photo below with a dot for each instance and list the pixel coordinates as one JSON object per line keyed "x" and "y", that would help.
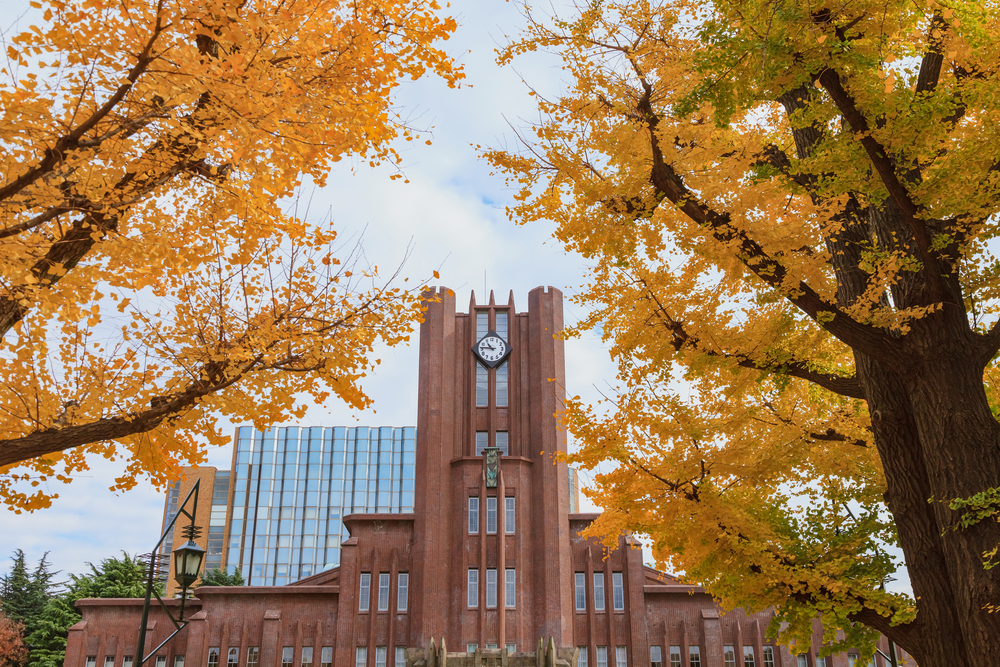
{"x": 152, "y": 277}
{"x": 791, "y": 211}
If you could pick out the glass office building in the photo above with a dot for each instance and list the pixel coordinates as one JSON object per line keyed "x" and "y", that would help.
{"x": 293, "y": 486}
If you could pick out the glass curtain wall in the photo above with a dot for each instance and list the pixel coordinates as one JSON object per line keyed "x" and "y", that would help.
{"x": 293, "y": 486}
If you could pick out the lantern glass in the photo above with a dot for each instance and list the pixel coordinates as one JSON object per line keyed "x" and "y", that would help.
{"x": 187, "y": 563}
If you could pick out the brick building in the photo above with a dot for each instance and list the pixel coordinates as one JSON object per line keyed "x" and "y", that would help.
{"x": 489, "y": 560}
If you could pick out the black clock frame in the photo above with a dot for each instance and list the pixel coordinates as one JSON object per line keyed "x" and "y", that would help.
{"x": 484, "y": 362}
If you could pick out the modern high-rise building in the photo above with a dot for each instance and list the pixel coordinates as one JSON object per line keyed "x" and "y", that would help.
{"x": 462, "y": 531}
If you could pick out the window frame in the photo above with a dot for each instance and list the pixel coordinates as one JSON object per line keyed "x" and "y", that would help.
{"x": 473, "y": 515}
{"x": 621, "y": 656}
{"x": 213, "y": 652}
{"x": 599, "y": 601}
{"x": 748, "y": 653}
{"x": 384, "y": 582}
{"x": 233, "y": 656}
{"x": 510, "y": 588}
{"x": 472, "y": 588}
{"x": 306, "y": 650}
{"x": 491, "y": 515}
{"x": 582, "y": 659}
{"x": 580, "y": 591}
{"x": 381, "y": 655}
{"x": 509, "y": 515}
{"x": 253, "y": 652}
{"x": 655, "y": 656}
{"x": 365, "y": 592}
{"x": 402, "y": 591}
{"x": 694, "y": 656}
{"x": 602, "y": 652}
{"x": 768, "y": 657}
{"x": 618, "y": 591}
{"x": 729, "y": 656}
{"x": 399, "y": 657}
{"x": 290, "y": 652}
{"x": 326, "y": 656}
{"x": 361, "y": 656}
{"x": 491, "y": 588}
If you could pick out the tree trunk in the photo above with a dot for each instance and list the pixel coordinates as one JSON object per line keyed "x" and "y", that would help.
{"x": 938, "y": 440}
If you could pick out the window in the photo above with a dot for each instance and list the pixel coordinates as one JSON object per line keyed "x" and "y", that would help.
{"x": 127, "y": 660}
{"x": 491, "y": 515}
{"x": 512, "y": 648}
{"x": 769, "y": 657}
{"x": 852, "y": 660}
{"x": 307, "y": 656}
{"x": 820, "y": 662}
{"x": 748, "y": 657}
{"x": 501, "y": 388}
{"x": 502, "y": 324}
{"x": 233, "y": 656}
{"x": 326, "y": 656}
{"x": 599, "y": 591}
{"x": 510, "y": 587}
{"x": 253, "y": 655}
{"x": 675, "y": 656}
{"x": 161, "y": 661}
{"x": 620, "y": 657}
{"x": 364, "y": 597}
{"x": 472, "y": 648}
{"x": 729, "y": 656}
{"x": 508, "y": 515}
{"x": 383, "y": 595}
{"x": 581, "y": 595}
{"x": 380, "y": 656}
{"x": 473, "y": 587}
{"x": 178, "y": 661}
{"x": 581, "y": 659}
{"x": 482, "y": 386}
{"x": 618, "y": 589}
{"x": 482, "y": 323}
{"x": 694, "y": 653}
{"x": 482, "y": 442}
{"x": 109, "y": 661}
{"x": 491, "y": 588}
{"x": 602, "y": 656}
{"x": 473, "y": 515}
{"x": 92, "y": 661}
{"x": 655, "y": 656}
{"x": 287, "y": 652}
{"x": 400, "y": 656}
{"x": 802, "y": 660}
{"x": 491, "y": 646}
{"x": 213, "y": 656}
{"x": 361, "y": 657}
{"x": 402, "y": 591}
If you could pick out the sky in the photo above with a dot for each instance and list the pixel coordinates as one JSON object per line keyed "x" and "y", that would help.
{"x": 451, "y": 219}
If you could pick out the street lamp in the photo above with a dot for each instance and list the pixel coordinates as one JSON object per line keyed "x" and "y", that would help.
{"x": 187, "y": 564}
{"x": 187, "y": 567}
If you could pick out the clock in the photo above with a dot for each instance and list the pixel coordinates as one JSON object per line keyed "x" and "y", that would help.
{"x": 491, "y": 350}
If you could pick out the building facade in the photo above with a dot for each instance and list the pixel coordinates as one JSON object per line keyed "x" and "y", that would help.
{"x": 485, "y": 555}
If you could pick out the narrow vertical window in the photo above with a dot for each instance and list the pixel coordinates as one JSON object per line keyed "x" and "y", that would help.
{"x": 655, "y": 656}
{"x": 620, "y": 657}
{"x": 581, "y": 656}
{"x": 400, "y": 656}
{"x": 361, "y": 657}
{"x": 502, "y": 324}
{"x": 491, "y": 588}
{"x": 491, "y": 515}
{"x": 402, "y": 591}
{"x": 109, "y": 661}
{"x": 326, "y": 656}
{"x": 380, "y": 656}
{"x": 482, "y": 442}
{"x": 127, "y": 660}
{"x": 510, "y": 587}
{"x": 92, "y": 661}
{"x": 482, "y": 386}
{"x": 769, "y": 657}
{"x": 383, "y": 591}
{"x": 365, "y": 594}
{"x": 675, "y": 656}
{"x": 482, "y": 323}
{"x": 599, "y": 591}
{"x": 178, "y": 661}
{"x": 694, "y": 653}
{"x": 729, "y": 656}
{"x": 503, "y": 443}
{"x": 748, "y": 657}
{"x": 307, "y": 656}
{"x": 602, "y": 656}
{"x": 213, "y": 656}
{"x": 820, "y": 661}
{"x": 287, "y": 653}
{"x": 802, "y": 660}
{"x": 161, "y": 661}
{"x": 502, "y": 385}
{"x": 579, "y": 582}
{"x": 508, "y": 515}
{"x": 618, "y": 590}
{"x": 473, "y": 515}
{"x": 253, "y": 655}
{"x": 233, "y": 656}
{"x": 473, "y": 587}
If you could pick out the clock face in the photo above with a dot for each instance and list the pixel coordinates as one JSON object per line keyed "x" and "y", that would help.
{"x": 491, "y": 349}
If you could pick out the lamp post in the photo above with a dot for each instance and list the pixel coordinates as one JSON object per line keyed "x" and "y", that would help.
{"x": 187, "y": 566}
